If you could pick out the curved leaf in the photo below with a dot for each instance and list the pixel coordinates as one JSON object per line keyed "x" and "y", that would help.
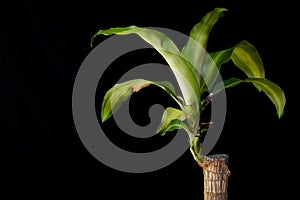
{"x": 167, "y": 122}
{"x": 244, "y": 55}
{"x": 272, "y": 90}
{"x": 178, "y": 124}
{"x": 181, "y": 68}
{"x": 120, "y": 92}
{"x": 172, "y": 119}
{"x": 195, "y": 49}
{"x": 173, "y": 125}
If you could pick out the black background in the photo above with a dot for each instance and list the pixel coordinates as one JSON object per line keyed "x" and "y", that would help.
{"x": 43, "y": 44}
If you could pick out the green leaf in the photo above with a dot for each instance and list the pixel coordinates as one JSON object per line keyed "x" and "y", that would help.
{"x": 111, "y": 31}
{"x": 181, "y": 68}
{"x": 166, "y": 84}
{"x": 177, "y": 124}
{"x": 173, "y": 125}
{"x": 185, "y": 76}
{"x": 244, "y": 55}
{"x": 272, "y": 90}
{"x": 195, "y": 148}
{"x": 225, "y": 84}
{"x": 172, "y": 119}
{"x": 195, "y": 48}
{"x": 120, "y": 92}
{"x": 167, "y": 122}
{"x": 212, "y": 64}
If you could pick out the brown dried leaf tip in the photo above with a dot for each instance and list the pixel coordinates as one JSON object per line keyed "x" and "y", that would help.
{"x": 137, "y": 87}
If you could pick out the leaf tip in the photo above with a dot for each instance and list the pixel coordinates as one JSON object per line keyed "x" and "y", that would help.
{"x": 105, "y": 116}
{"x": 158, "y": 130}
{"x": 280, "y": 113}
{"x": 103, "y": 119}
{"x": 221, "y": 10}
{"x": 92, "y": 40}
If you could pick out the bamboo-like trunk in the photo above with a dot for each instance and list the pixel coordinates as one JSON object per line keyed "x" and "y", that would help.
{"x": 216, "y": 174}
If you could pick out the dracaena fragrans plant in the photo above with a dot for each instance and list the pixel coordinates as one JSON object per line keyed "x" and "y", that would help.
{"x": 196, "y": 72}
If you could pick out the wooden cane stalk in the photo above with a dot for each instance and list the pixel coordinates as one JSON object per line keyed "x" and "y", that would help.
{"x": 216, "y": 175}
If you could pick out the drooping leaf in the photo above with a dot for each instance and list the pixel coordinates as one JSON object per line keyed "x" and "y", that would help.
{"x": 120, "y": 92}
{"x": 272, "y": 90}
{"x": 111, "y": 31}
{"x": 181, "y": 68}
{"x": 167, "y": 122}
{"x": 195, "y": 49}
{"x": 166, "y": 84}
{"x": 244, "y": 55}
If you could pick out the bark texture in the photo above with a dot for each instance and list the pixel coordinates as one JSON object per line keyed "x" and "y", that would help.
{"x": 216, "y": 175}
